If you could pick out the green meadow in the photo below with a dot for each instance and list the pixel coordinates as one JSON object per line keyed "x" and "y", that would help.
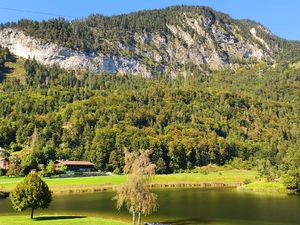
{"x": 102, "y": 183}
{"x": 57, "y": 220}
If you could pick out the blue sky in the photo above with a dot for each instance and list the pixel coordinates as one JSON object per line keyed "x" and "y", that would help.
{"x": 282, "y": 17}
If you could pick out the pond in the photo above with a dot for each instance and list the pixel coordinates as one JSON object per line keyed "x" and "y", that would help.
{"x": 185, "y": 207}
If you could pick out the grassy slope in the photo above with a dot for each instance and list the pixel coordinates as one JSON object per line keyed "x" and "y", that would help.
{"x": 17, "y": 70}
{"x": 96, "y": 183}
{"x": 59, "y": 220}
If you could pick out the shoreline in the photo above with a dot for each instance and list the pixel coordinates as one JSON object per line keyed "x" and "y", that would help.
{"x": 95, "y": 184}
{"x": 103, "y": 188}
{"x": 170, "y": 185}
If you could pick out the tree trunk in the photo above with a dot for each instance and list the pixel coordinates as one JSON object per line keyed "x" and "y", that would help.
{"x": 31, "y": 213}
{"x": 139, "y": 218}
{"x": 133, "y": 217}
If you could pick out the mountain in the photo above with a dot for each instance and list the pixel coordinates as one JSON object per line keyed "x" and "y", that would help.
{"x": 245, "y": 117}
{"x": 149, "y": 43}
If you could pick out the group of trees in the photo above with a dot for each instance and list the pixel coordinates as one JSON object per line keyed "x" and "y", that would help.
{"x": 250, "y": 113}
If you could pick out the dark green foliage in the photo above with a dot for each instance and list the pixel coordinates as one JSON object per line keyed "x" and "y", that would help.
{"x": 292, "y": 180}
{"x": 5, "y": 56}
{"x": 3, "y": 172}
{"x": 33, "y": 193}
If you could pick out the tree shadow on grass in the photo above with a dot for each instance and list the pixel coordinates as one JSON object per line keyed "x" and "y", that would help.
{"x": 58, "y": 218}
{"x": 189, "y": 221}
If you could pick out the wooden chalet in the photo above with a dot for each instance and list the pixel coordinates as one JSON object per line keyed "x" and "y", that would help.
{"x": 75, "y": 166}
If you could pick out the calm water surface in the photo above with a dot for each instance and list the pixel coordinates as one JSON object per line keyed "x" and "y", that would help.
{"x": 186, "y": 207}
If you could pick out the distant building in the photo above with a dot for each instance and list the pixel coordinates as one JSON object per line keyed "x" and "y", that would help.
{"x": 4, "y": 163}
{"x": 75, "y": 166}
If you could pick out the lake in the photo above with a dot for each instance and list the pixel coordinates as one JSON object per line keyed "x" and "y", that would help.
{"x": 185, "y": 207}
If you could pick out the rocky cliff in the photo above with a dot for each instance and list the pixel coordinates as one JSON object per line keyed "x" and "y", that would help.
{"x": 195, "y": 39}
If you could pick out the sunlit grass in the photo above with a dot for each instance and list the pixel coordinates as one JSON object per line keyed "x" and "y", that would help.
{"x": 265, "y": 186}
{"x": 17, "y": 70}
{"x": 57, "y": 220}
{"x": 91, "y": 184}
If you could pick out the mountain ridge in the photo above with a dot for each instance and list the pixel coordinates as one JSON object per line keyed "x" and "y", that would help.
{"x": 150, "y": 42}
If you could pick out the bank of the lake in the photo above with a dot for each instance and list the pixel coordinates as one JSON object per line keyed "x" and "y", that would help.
{"x": 100, "y": 183}
{"x": 58, "y": 220}
{"x": 220, "y": 179}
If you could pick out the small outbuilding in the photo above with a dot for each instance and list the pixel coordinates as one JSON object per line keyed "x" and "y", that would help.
{"x": 75, "y": 166}
{"x": 4, "y": 163}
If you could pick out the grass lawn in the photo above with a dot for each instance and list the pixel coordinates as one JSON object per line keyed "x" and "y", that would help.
{"x": 90, "y": 184}
{"x": 57, "y": 220}
{"x": 227, "y": 176}
{"x": 265, "y": 187}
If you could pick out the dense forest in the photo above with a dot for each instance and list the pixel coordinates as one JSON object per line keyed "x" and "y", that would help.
{"x": 249, "y": 115}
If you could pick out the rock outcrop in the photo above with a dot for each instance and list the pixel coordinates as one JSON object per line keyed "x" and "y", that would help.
{"x": 194, "y": 40}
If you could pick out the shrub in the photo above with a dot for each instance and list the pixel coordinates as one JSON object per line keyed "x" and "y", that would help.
{"x": 291, "y": 180}
{"x": 238, "y": 163}
{"x": 210, "y": 168}
{"x": 117, "y": 171}
{"x": 3, "y": 172}
{"x": 247, "y": 181}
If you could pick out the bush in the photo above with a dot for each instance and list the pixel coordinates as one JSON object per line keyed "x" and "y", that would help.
{"x": 267, "y": 170}
{"x": 238, "y": 163}
{"x": 247, "y": 181}
{"x": 117, "y": 171}
{"x": 210, "y": 168}
{"x": 3, "y": 172}
{"x": 291, "y": 180}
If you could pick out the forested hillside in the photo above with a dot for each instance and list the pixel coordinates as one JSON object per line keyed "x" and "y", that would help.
{"x": 250, "y": 114}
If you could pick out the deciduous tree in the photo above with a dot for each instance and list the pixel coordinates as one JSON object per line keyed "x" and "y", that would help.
{"x": 33, "y": 193}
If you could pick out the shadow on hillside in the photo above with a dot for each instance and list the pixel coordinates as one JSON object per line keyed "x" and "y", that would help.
{"x": 188, "y": 221}
{"x": 4, "y": 72}
{"x": 58, "y": 218}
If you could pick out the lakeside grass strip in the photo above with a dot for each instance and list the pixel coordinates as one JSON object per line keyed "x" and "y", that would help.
{"x": 262, "y": 186}
{"x": 230, "y": 178}
{"x": 57, "y": 220}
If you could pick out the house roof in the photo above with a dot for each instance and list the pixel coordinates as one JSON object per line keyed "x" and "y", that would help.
{"x": 74, "y": 163}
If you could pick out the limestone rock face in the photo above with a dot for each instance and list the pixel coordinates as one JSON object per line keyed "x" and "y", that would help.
{"x": 48, "y": 53}
{"x": 194, "y": 40}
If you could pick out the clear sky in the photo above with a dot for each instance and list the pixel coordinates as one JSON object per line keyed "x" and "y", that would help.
{"x": 282, "y": 17}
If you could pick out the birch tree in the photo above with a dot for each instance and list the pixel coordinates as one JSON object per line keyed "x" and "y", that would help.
{"x": 135, "y": 193}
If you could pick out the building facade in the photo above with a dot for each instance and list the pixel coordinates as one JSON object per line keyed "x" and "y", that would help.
{"x": 4, "y": 163}
{"x": 74, "y": 166}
